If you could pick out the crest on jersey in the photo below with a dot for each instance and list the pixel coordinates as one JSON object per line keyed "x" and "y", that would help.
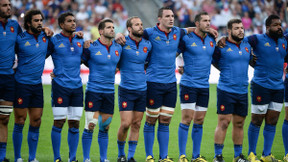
{"x": 124, "y": 104}
{"x": 158, "y": 38}
{"x": 20, "y": 101}
{"x": 193, "y": 44}
{"x": 151, "y": 102}
{"x": 145, "y": 49}
{"x": 44, "y": 39}
{"x": 128, "y": 47}
{"x": 211, "y": 44}
{"x": 222, "y": 107}
{"x": 116, "y": 53}
{"x": 27, "y": 44}
{"x": 90, "y": 104}
{"x": 229, "y": 50}
{"x": 12, "y": 29}
{"x": 267, "y": 44}
{"x": 283, "y": 45}
{"x": 174, "y": 37}
{"x": 59, "y": 100}
{"x": 246, "y": 49}
{"x": 186, "y": 97}
{"x": 79, "y": 44}
{"x": 259, "y": 98}
{"x": 61, "y": 45}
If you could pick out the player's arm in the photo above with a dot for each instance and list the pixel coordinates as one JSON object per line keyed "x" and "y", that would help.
{"x": 216, "y": 58}
{"x": 48, "y": 31}
{"x": 179, "y": 57}
{"x": 85, "y": 56}
{"x": 79, "y": 34}
{"x": 253, "y": 58}
{"x": 50, "y": 48}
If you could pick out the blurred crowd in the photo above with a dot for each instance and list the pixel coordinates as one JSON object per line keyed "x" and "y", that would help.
{"x": 90, "y": 12}
{"x": 252, "y": 12}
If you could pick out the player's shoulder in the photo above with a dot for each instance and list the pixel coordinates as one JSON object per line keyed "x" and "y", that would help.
{"x": 13, "y": 22}
{"x": 116, "y": 44}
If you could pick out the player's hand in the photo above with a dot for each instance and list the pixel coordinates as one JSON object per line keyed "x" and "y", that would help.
{"x": 87, "y": 43}
{"x": 213, "y": 32}
{"x": 120, "y": 39}
{"x": 91, "y": 126}
{"x": 48, "y": 31}
{"x": 180, "y": 70}
{"x": 117, "y": 69}
{"x": 79, "y": 34}
{"x": 222, "y": 42}
{"x": 52, "y": 75}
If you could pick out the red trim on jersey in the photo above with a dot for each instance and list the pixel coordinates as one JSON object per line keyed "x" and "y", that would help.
{"x": 202, "y": 39}
{"x": 137, "y": 43}
{"x": 70, "y": 38}
{"x": 34, "y": 35}
{"x": 163, "y": 30}
{"x": 238, "y": 45}
{"x": 3, "y": 24}
{"x": 107, "y": 47}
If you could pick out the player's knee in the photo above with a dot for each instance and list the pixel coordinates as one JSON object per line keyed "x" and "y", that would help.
{"x": 239, "y": 124}
{"x": 103, "y": 125}
{"x": 224, "y": 124}
{"x": 164, "y": 119}
{"x": 59, "y": 123}
{"x": 257, "y": 120}
{"x": 199, "y": 120}
{"x": 35, "y": 122}
{"x": 4, "y": 119}
{"x": 20, "y": 120}
{"x": 125, "y": 125}
{"x": 136, "y": 125}
{"x": 186, "y": 119}
{"x": 90, "y": 121}
{"x": 73, "y": 124}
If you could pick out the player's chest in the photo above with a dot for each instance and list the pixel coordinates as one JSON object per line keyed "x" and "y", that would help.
{"x": 198, "y": 47}
{"x": 33, "y": 46}
{"x": 104, "y": 56}
{"x": 134, "y": 53}
{"x": 233, "y": 53}
{"x": 67, "y": 49}
{"x": 269, "y": 48}
{"x": 8, "y": 33}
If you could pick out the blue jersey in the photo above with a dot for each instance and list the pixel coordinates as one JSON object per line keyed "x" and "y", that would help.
{"x": 197, "y": 55}
{"x": 31, "y": 52}
{"x": 8, "y": 35}
{"x": 268, "y": 70}
{"x": 102, "y": 61}
{"x": 286, "y": 37}
{"x": 233, "y": 62}
{"x": 161, "y": 60}
{"x": 67, "y": 60}
{"x": 132, "y": 64}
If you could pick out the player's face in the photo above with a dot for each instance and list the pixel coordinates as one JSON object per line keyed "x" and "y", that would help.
{"x": 275, "y": 29}
{"x": 237, "y": 32}
{"x": 137, "y": 27}
{"x": 204, "y": 24}
{"x": 5, "y": 9}
{"x": 69, "y": 24}
{"x": 108, "y": 31}
{"x": 167, "y": 19}
{"x": 36, "y": 24}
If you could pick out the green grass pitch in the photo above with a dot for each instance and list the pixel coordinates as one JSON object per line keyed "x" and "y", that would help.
{"x": 45, "y": 152}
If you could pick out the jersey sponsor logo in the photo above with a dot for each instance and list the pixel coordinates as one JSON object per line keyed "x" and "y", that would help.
{"x": 229, "y": 50}
{"x": 98, "y": 53}
{"x": 61, "y": 45}
{"x": 90, "y": 104}
{"x": 222, "y": 107}
{"x": 283, "y": 45}
{"x": 174, "y": 37}
{"x": 128, "y": 47}
{"x": 211, "y": 44}
{"x": 12, "y": 29}
{"x": 158, "y": 38}
{"x": 124, "y": 104}
{"x": 151, "y": 102}
{"x": 145, "y": 49}
{"x": 267, "y": 44}
{"x": 27, "y": 44}
{"x": 193, "y": 44}
{"x": 20, "y": 101}
{"x": 60, "y": 100}
{"x": 259, "y": 98}
{"x": 44, "y": 39}
{"x": 116, "y": 53}
{"x": 246, "y": 49}
{"x": 186, "y": 97}
{"x": 79, "y": 44}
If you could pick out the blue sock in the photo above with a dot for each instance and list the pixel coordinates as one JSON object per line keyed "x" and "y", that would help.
{"x": 132, "y": 149}
{"x": 17, "y": 140}
{"x": 285, "y": 135}
{"x": 269, "y": 134}
{"x": 86, "y": 143}
{"x": 218, "y": 149}
{"x": 163, "y": 139}
{"x": 121, "y": 147}
{"x": 3, "y": 146}
{"x": 103, "y": 144}
{"x": 253, "y": 133}
{"x": 73, "y": 139}
{"x": 149, "y": 135}
{"x": 32, "y": 138}
{"x": 56, "y": 141}
{"x": 182, "y": 138}
{"x": 237, "y": 150}
{"x": 197, "y": 132}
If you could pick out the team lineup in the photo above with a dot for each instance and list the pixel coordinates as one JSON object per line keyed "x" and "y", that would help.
{"x": 146, "y": 60}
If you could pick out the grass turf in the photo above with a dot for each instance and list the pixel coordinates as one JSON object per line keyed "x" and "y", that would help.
{"x": 45, "y": 152}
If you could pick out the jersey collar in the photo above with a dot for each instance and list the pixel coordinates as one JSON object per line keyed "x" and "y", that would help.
{"x": 137, "y": 43}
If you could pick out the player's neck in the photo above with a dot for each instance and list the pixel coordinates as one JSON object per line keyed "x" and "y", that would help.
{"x": 137, "y": 39}
{"x": 163, "y": 28}
{"x": 200, "y": 33}
{"x": 105, "y": 41}
{"x": 230, "y": 39}
{"x": 3, "y": 20}
{"x": 32, "y": 33}
{"x": 67, "y": 34}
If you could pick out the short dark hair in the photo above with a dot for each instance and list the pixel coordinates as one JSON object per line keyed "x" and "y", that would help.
{"x": 268, "y": 21}
{"x": 101, "y": 25}
{"x": 233, "y": 21}
{"x": 129, "y": 21}
{"x": 160, "y": 11}
{"x": 61, "y": 18}
{"x": 28, "y": 17}
{"x": 198, "y": 16}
